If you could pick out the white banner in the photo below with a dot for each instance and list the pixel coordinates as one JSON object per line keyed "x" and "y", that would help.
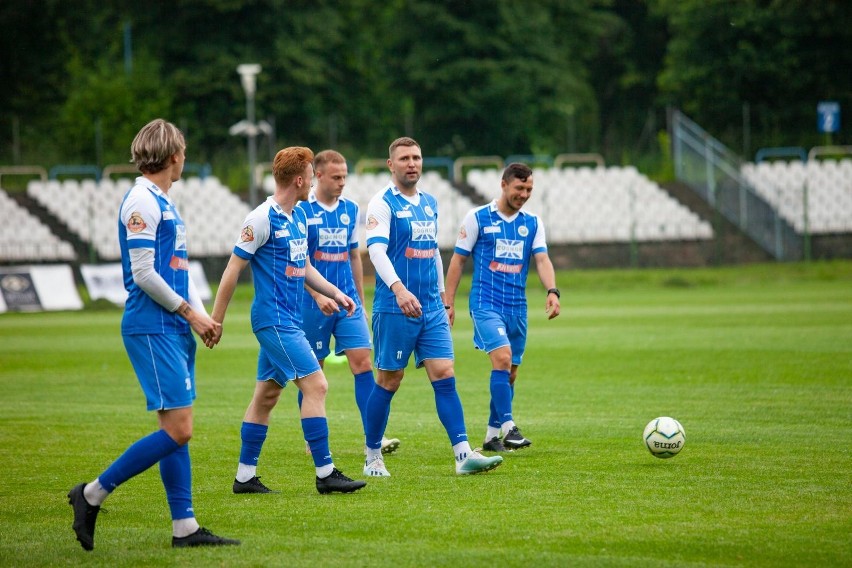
{"x": 106, "y": 281}
{"x": 38, "y": 288}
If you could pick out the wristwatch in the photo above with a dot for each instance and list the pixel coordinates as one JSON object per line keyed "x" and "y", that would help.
{"x": 554, "y": 291}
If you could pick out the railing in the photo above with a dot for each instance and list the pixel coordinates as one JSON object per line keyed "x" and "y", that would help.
{"x": 713, "y": 171}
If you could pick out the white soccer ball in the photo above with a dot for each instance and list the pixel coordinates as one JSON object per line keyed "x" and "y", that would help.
{"x": 664, "y": 437}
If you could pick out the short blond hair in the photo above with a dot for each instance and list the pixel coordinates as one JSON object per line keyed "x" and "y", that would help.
{"x": 403, "y": 141}
{"x": 155, "y": 144}
{"x": 291, "y": 162}
{"x": 328, "y": 157}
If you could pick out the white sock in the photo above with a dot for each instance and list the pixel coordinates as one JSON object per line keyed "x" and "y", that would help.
{"x": 373, "y": 454}
{"x": 94, "y": 493}
{"x": 462, "y": 450}
{"x": 325, "y": 470}
{"x": 245, "y": 472}
{"x": 492, "y": 433}
{"x": 184, "y": 527}
{"x": 506, "y": 426}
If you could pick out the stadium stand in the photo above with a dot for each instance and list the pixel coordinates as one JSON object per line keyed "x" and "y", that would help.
{"x": 816, "y": 192}
{"x": 89, "y": 209}
{"x": 601, "y": 205}
{"x": 24, "y": 238}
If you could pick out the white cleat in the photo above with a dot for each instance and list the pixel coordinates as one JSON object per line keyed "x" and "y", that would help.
{"x": 389, "y": 445}
{"x": 376, "y": 468}
{"x": 477, "y": 463}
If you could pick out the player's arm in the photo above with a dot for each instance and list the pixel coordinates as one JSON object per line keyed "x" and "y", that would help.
{"x": 356, "y": 263}
{"x": 547, "y": 275}
{"x": 227, "y": 285}
{"x": 468, "y": 234}
{"x": 326, "y": 305}
{"x": 318, "y": 283}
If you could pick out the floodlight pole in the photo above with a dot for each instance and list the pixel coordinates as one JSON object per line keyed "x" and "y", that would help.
{"x": 248, "y": 73}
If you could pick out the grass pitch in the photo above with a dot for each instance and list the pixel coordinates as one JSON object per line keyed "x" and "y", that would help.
{"x": 755, "y": 362}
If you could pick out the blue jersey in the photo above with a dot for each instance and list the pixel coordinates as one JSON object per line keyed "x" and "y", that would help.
{"x": 149, "y": 219}
{"x": 276, "y": 244}
{"x": 332, "y": 238}
{"x": 409, "y": 227}
{"x": 502, "y": 248}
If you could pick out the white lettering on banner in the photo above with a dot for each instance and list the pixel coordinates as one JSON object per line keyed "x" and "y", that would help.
{"x": 332, "y": 237}
{"x": 510, "y": 248}
{"x": 298, "y": 249}
{"x": 423, "y": 230}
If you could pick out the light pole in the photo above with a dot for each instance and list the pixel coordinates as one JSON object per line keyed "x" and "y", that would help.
{"x": 248, "y": 73}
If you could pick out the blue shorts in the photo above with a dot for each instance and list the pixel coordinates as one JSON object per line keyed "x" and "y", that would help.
{"x": 396, "y": 336}
{"x": 165, "y": 367}
{"x": 350, "y": 332}
{"x": 492, "y": 330}
{"x": 284, "y": 355}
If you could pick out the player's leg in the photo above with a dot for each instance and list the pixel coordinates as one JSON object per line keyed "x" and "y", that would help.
{"x": 434, "y": 351}
{"x": 517, "y": 329}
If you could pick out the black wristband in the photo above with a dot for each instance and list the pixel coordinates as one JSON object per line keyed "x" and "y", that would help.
{"x": 447, "y": 306}
{"x": 554, "y": 291}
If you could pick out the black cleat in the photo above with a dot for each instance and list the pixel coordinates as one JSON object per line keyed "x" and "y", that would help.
{"x": 202, "y": 537}
{"x": 494, "y": 445}
{"x": 253, "y": 485}
{"x": 85, "y": 516}
{"x": 338, "y": 482}
{"x": 514, "y": 440}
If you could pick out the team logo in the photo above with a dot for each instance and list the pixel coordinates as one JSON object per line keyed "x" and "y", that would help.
{"x": 372, "y": 223}
{"x": 345, "y": 219}
{"x": 332, "y": 237}
{"x": 523, "y": 231}
{"x": 462, "y": 233}
{"x": 509, "y": 248}
{"x": 136, "y": 224}
{"x": 247, "y": 234}
{"x": 302, "y": 227}
{"x": 428, "y": 211}
{"x": 423, "y": 231}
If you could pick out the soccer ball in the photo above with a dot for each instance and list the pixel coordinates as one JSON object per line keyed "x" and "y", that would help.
{"x": 664, "y": 437}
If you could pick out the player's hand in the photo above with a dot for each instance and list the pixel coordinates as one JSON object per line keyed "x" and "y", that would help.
{"x": 346, "y": 303}
{"x": 451, "y": 314}
{"x": 551, "y": 306}
{"x": 326, "y": 305}
{"x": 409, "y": 304}
{"x": 214, "y": 340}
{"x": 206, "y": 327}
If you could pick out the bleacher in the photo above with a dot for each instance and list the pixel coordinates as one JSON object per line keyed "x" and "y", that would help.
{"x": 828, "y": 184}
{"x": 23, "y": 237}
{"x": 601, "y": 205}
{"x": 89, "y": 209}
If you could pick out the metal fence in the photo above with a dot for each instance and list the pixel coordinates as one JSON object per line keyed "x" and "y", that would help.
{"x": 713, "y": 171}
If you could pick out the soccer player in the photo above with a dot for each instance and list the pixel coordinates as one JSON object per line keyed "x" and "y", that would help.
{"x": 332, "y": 222}
{"x": 502, "y": 238}
{"x": 408, "y": 309}
{"x": 274, "y": 241}
{"x": 163, "y": 309}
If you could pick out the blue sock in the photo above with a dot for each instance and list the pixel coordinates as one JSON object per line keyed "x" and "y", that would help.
{"x": 378, "y": 411}
{"x": 176, "y": 472}
{"x": 141, "y": 455}
{"x": 253, "y": 436}
{"x": 363, "y": 387}
{"x": 315, "y": 430}
{"x": 501, "y": 396}
{"x": 493, "y": 420}
{"x": 450, "y": 410}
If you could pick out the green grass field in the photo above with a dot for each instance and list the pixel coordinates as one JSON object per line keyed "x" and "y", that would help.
{"x": 755, "y": 361}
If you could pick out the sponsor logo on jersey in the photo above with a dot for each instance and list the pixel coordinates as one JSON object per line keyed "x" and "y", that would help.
{"x": 298, "y": 249}
{"x": 332, "y": 237}
{"x": 314, "y": 221}
{"x": 178, "y": 263}
{"x": 168, "y": 216}
{"x": 503, "y": 267}
{"x": 331, "y": 256}
{"x": 294, "y": 272}
{"x": 372, "y": 223}
{"x": 136, "y": 224}
{"x": 509, "y": 248}
{"x": 281, "y": 233}
{"x": 487, "y": 230}
{"x": 423, "y": 230}
{"x": 404, "y": 214}
{"x": 247, "y": 234}
{"x": 180, "y": 237}
{"x": 419, "y": 253}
